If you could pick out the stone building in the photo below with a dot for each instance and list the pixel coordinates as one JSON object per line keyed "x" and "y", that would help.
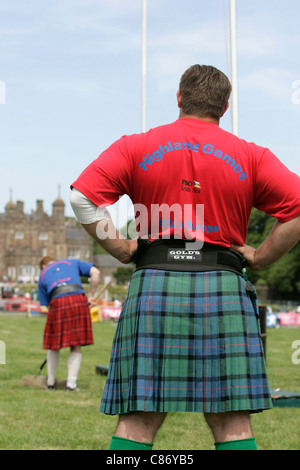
{"x": 25, "y": 238}
{"x": 107, "y": 265}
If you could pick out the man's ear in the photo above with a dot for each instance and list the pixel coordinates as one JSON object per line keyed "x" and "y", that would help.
{"x": 179, "y": 99}
{"x": 225, "y": 108}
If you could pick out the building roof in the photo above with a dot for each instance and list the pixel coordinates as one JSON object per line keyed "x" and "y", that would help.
{"x": 75, "y": 233}
{"x": 59, "y": 202}
{"x": 106, "y": 261}
{"x": 10, "y": 205}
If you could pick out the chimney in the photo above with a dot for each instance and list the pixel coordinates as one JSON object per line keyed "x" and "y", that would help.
{"x": 20, "y": 207}
{"x": 39, "y": 206}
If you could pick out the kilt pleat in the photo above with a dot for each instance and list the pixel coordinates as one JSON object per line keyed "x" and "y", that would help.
{"x": 68, "y": 323}
{"x": 187, "y": 342}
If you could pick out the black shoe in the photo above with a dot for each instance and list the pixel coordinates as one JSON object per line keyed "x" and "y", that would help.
{"x": 51, "y": 387}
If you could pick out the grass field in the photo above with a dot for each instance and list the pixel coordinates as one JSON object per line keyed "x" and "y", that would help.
{"x": 35, "y": 419}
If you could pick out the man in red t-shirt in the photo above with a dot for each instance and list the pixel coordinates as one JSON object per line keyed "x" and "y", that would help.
{"x": 178, "y": 346}
{"x": 193, "y": 163}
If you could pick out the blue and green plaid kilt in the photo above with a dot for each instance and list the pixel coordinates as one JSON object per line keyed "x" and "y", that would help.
{"x": 187, "y": 342}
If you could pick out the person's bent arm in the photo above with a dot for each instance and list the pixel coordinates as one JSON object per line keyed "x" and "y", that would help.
{"x": 95, "y": 278}
{"x": 108, "y": 237}
{"x": 98, "y": 224}
{"x": 282, "y": 238}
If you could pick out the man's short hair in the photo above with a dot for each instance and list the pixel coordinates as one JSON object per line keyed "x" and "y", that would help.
{"x": 45, "y": 261}
{"x": 205, "y": 91}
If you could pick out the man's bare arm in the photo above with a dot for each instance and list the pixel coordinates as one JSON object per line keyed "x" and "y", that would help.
{"x": 98, "y": 224}
{"x": 106, "y": 235}
{"x": 95, "y": 278}
{"x": 282, "y": 238}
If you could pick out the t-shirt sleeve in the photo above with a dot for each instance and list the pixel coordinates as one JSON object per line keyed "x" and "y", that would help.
{"x": 277, "y": 190}
{"x": 43, "y": 297}
{"x": 84, "y": 268}
{"x": 108, "y": 177}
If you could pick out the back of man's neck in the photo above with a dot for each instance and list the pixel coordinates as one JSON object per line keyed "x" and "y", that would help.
{"x": 205, "y": 119}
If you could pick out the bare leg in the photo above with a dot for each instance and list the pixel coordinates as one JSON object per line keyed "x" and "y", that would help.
{"x": 230, "y": 426}
{"x": 139, "y": 426}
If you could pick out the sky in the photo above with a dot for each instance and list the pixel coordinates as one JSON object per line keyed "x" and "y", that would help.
{"x": 70, "y": 81}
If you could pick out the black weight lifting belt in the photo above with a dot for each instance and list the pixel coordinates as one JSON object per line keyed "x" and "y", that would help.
{"x": 64, "y": 289}
{"x": 184, "y": 255}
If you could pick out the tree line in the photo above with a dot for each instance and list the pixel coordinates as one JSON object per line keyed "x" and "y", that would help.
{"x": 283, "y": 277}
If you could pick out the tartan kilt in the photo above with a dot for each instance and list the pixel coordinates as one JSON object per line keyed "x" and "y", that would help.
{"x": 68, "y": 323}
{"x": 187, "y": 342}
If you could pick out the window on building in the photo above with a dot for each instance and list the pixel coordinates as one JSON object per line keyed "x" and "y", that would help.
{"x": 74, "y": 253}
{"x": 12, "y": 272}
{"x": 20, "y": 271}
{"x": 26, "y": 273}
{"x": 43, "y": 236}
{"x": 19, "y": 235}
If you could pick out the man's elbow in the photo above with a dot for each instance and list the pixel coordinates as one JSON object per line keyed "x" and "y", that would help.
{"x": 296, "y": 226}
{"x": 95, "y": 274}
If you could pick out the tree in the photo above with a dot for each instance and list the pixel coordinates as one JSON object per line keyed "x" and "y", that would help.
{"x": 123, "y": 274}
{"x": 283, "y": 277}
{"x": 259, "y": 227}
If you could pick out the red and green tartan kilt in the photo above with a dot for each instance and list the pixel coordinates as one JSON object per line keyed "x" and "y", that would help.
{"x": 187, "y": 342}
{"x": 68, "y": 323}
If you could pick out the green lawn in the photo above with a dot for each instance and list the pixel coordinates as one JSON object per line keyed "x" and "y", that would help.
{"x": 35, "y": 419}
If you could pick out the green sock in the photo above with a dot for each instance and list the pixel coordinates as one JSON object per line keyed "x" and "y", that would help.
{"x": 242, "y": 444}
{"x": 120, "y": 443}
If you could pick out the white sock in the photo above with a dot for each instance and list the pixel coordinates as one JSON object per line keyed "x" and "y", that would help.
{"x": 74, "y": 363}
{"x": 52, "y": 364}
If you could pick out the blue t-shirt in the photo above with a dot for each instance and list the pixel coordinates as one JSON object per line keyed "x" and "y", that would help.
{"x": 63, "y": 271}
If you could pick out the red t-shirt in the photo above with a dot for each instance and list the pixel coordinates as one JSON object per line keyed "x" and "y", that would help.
{"x": 192, "y": 179}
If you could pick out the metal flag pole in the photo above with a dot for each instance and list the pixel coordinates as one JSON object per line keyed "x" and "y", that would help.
{"x": 144, "y": 62}
{"x": 234, "y": 104}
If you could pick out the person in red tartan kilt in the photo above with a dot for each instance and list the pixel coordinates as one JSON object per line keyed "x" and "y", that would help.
{"x": 68, "y": 321}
